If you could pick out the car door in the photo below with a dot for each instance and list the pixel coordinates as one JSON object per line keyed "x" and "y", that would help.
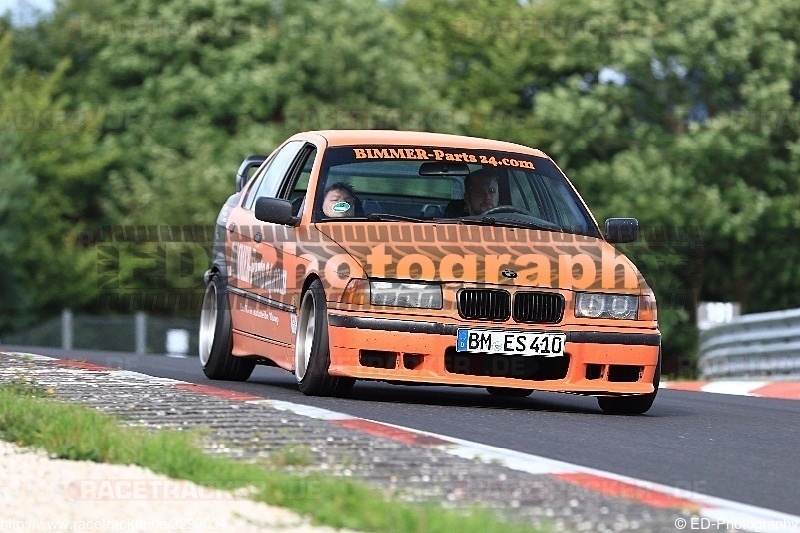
{"x": 263, "y": 296}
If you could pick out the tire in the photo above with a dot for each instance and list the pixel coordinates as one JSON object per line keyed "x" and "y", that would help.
{"x": 632, "y": 405}
{"x": 509, "y": 393}
{"x": 311, "y": 354}
{"x": 216, "y": 339}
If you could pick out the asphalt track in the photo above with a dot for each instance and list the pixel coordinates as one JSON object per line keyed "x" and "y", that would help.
{"x": 743, "y": 449}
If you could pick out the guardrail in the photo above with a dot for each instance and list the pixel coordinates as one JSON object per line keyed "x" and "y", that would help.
{"x": 139, "y": 332}
{"x": 756, "y": 345}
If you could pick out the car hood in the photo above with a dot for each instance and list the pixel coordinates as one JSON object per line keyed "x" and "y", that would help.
{"x": 485, "y": 254}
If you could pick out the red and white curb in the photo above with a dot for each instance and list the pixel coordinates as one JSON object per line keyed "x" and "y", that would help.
{"x": 720, "y": 513}
{"x": 784, "y": 390}
{"x": 711, "y": 512}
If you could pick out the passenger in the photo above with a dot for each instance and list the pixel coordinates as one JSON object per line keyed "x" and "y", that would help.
{"x": 340, "y": 201}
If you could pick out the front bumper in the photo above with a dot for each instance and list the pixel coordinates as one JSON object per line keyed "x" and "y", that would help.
{"x": 619, "y": 361}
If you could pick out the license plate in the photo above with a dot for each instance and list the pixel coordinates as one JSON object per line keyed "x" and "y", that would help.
{"x": 510, "y": 342}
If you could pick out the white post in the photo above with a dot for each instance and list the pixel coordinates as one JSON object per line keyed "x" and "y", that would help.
{"x": 141, "y": 333}
{"x": 66, "y": 329}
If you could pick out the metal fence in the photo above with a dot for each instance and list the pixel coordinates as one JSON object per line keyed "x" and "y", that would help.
{"x": 140, "y": 333}
{"x": 757, "y": 345}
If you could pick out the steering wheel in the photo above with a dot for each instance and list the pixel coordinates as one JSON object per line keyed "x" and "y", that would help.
{"x": 506, "y": 209}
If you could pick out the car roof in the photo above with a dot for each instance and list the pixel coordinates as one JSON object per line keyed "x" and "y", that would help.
{"x": 419, "y": 138}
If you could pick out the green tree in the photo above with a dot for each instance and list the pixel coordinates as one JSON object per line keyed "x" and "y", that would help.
{"x": 699, "y": 136}
{"x": 189, "y": 90}
{"x": 51, "y": 170}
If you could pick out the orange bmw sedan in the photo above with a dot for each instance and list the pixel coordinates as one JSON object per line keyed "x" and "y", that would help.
{"x": 426, "y": 258}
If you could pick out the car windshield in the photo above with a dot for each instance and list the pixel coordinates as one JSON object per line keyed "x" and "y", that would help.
{"x": 448, "y": 185}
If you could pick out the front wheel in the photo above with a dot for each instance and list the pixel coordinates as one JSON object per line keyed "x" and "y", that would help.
{"x": 216, "y": 339}
{"x": 632, "y": 405}
{"x": 311, "y": 353}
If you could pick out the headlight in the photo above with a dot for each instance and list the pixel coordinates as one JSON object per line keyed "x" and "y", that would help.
{"x": 596, "y": 305}
{"x": 394, "y": 294}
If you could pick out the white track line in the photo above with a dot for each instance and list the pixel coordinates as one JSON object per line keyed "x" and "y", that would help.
{"x": 738, "y": 388}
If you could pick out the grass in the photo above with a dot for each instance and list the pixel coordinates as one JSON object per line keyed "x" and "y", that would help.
{"x": 299, "y": 455}
{"x": 29, "y": 418}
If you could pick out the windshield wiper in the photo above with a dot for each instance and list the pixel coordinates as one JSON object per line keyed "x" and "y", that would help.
{"x": 378, "y": 217}
{"x": 493, "y": 221}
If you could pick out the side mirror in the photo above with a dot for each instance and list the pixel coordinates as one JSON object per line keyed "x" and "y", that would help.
{"x": 621, "y": 230}
{"x": 243, "y": 174}
{"x": 274, "y": 210}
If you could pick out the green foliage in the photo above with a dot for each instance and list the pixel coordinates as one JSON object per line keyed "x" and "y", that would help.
{"x": 646, "y": 149}
{"x": 190, "y": 109}
{"x": 292, "y": 455}
{"x": 51, "y": 163}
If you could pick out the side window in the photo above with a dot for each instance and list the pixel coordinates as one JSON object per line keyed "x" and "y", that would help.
{"x": 523, "y": 194}
{"x": 298, "y": 193}
{"x": 269, "y": 183}
{"x": 570, "y": 217}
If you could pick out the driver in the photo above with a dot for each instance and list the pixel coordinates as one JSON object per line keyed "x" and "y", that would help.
{"x": 481, "y": 191}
